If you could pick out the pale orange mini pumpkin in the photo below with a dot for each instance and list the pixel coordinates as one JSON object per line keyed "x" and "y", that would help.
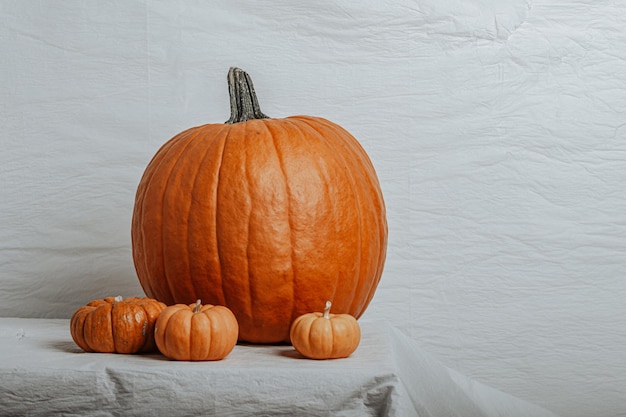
{"x": 196, "y": 332}
{"x": 268, "y": 217}
{"x": 325, "y": 335}
{"x": 116, "y": 325}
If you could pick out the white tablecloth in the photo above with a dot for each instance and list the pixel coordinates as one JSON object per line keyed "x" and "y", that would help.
{"x": 42, "y": 372}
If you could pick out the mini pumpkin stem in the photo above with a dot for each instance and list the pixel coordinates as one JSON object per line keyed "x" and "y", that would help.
{"x": 244, "y": 104}
{"x": 327, "y": 309}
{"x": 196, "y": 308}
{"x": 118, "y": 299}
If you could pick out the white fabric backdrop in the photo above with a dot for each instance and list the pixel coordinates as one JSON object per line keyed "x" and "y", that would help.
{"x": 497, "y": 128}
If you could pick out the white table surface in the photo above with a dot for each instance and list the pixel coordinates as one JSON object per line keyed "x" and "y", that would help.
{"x": 42, "y": 372}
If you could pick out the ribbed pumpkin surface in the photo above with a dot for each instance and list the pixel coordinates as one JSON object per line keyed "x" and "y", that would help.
{"x": 269, "y": 217}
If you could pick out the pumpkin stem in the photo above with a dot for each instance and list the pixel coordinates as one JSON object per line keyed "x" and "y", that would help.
{"x": 196, "y": 308}
{"x": 327, "y": 310}
{"x": 244, "y": 104}
{"x": 118, "y": 299}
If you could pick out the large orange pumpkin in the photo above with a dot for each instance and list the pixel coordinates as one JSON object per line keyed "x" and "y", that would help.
{"x": 269, "y": 217}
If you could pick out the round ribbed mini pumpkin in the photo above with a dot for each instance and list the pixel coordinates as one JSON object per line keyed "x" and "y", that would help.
{"x": 269, "y": 217}
{"x": 196, "y": 332}
{"x": 325, "y": 335}
{"x": 116, "y": 325}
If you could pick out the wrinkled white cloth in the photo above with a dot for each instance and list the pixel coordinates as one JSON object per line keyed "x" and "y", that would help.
{"x": 42, "y": 372}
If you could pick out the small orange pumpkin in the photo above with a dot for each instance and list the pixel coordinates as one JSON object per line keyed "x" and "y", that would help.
{"x": 116, "y": 325}
{"x": 325, "y": 335}
{"x": 196, "y": 332}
